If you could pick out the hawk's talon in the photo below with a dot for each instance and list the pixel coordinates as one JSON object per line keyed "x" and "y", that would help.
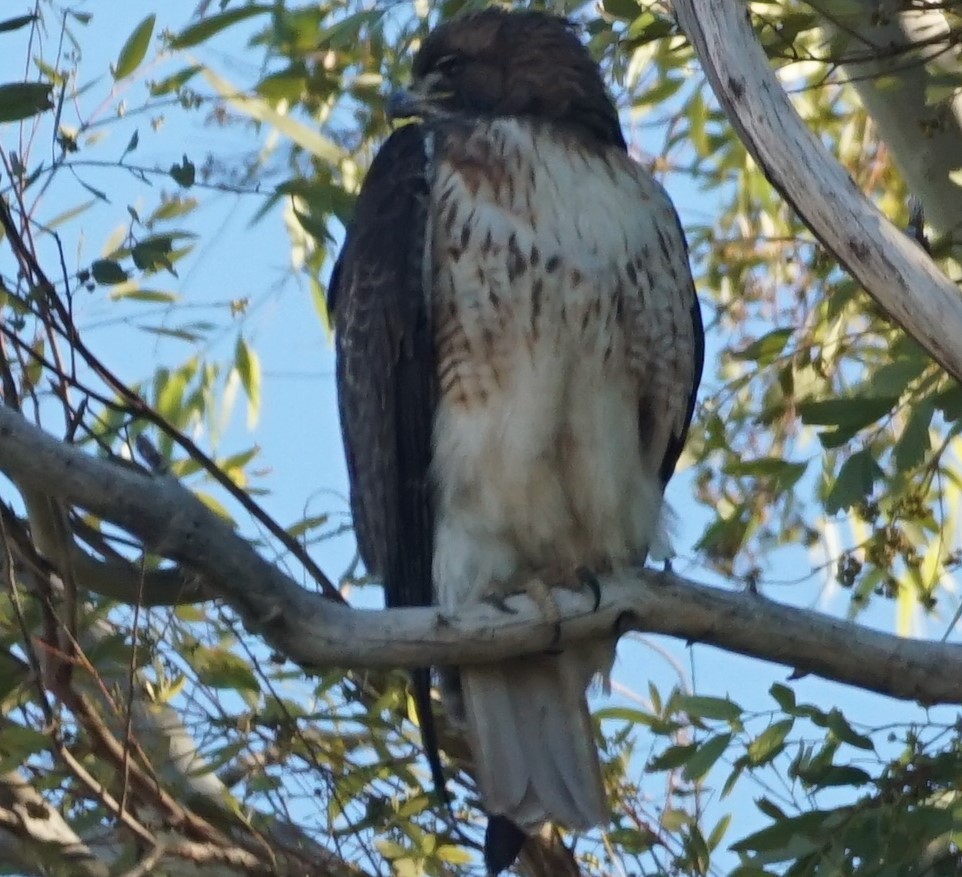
{"x": 499, "y": 602}
{"x": 590, "y": 581}
{"x": 553, "y": 648}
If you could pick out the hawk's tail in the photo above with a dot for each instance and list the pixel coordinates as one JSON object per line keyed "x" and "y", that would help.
{"x": 533, "y": 741}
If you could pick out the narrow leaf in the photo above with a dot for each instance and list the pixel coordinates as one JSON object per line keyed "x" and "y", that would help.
{"x": 854, "y": 412}
{"x": 201, "y": 31}
{"x": 766, "y": 348}
{"x": 706, "y": 755}
{"x": 914, "y": 443}
{"x": 260, "y": 110}
{"x": 855, "y": 481}
{"x": 107, "y": 272}
{"x": 706, "y": 707}
{"x": 135, "y": 48}
{"x": 843, "y": 731}
{"x": 17, "y": 23}
{"x": 21, "y": 100}
{"x": 174, "y": 82}
{"x": 249, "y": 369}
{"x": 673, "y": 756}
{"x": 769, "y": 743}
{"x": 784, "y": 696}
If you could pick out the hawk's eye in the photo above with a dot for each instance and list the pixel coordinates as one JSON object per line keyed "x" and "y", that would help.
{"x": 449, "y": 65}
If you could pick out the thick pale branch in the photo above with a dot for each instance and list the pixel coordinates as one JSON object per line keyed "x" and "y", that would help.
{"x": 897, "y": 58}
{"x": 43, "y": 836}
{"x": 894, "y": 270}
{"x": 315, "y": 631}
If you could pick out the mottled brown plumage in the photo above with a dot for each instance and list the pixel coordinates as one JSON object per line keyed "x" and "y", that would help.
{"x": 518, "y": 350}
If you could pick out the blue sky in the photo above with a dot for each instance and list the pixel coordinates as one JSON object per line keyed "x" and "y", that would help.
{"x": 300, "y": 451}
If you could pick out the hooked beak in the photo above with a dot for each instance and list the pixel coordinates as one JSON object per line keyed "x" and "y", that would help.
{"x": 403, "y": 104}
{"x": 425, "y": 99}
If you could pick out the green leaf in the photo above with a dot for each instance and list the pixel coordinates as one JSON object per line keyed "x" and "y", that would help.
{"x": 941, "y": 86}
{"x": 672, "y": 757}
{"x": 131, "y": 146}
{"x": 647, "y": 28}
{"x": 674, "y": 818}
{"x": 17, "y": 743}
{"x": 779, "y": 835}
{"x": 174, "y": 82}
{"x": 893, "y": 378}
{"x": 914, "y": 443}
{"x": 154, "y": 296}
{"x": 153, "y": 252}
{"x": 697, "y": 118}
{"x": 134, "y": 49}
{"x": 453, "y": 855}
{"x": 197, "y": 33}
{"x": 220, "y": 668}
{"x": 172, "y": 206}
{"x": 784, "y": 696}
{"x": 661, "y": 91}
{"x": 851, "y": 413}
{"x": 13, "y": 676}
{"x": 17, "y": 23}
{"x": 657, "y": 724}
{"x": 169, "y": 388}
{"x": 770, "y": 809}
{"x": 706, "y": 707}
{"x": 184, "y": 173}
{"x": 306, "y": 525}
{"x": 389, "y": 849}
{"x": 314, "y": 226}
{"x": 625, "y": 9}
{"x": 844, "y": 732}
{"x": 769, "y": 743}
{"x": 706, "y": 755}
{"x": 343, "y": 34}
{"x": 319, "y": 300}
{"x": 834, "y": 775}
{"x": 101, "y": 196}
{"x": 21, "y": 100}
{"x": 718, "y": 832}
{"x": 949, "y": 402}
{"x": 249, "y": 370}
{"x": 287, "y": 85}
{"x": 724, "y": 537}
{"x": 67, "y": 215}
{"x": 784, "y": 473}
{"x": 107, "y": 272}
{"x": 767, "y": 348}
{"x": 184, "y": 333}
{"x": 305, "y": 136}
{"x": 855, "y": 481}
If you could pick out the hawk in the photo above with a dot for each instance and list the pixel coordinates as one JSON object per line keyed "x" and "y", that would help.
{"x": 518, "y": 349}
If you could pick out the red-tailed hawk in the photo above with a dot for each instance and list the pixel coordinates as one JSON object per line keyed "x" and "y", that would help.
{"x": 518, "y": 349}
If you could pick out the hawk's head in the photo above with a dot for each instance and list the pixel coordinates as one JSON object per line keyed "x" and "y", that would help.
{"x": 499, "y": 63}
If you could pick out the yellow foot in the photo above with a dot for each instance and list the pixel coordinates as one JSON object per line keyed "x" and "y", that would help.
{"x": 537, "y": 585}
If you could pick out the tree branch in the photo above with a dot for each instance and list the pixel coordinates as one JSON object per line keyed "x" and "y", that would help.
{"x": 314, "y": 631}
{"x": 894, "y": 270}
{"x": 924, "y": 136}
{"x": 45, "y": 836}
{"x": 114, "y": 577}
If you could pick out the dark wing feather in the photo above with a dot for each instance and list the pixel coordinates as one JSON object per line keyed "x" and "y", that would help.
{"x": 385, "y": 369}
{"x": 676, "y": 440}
{"x": 386, "y": 379}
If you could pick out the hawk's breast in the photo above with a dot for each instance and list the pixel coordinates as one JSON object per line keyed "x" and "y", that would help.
{"x": 560, "y": 308}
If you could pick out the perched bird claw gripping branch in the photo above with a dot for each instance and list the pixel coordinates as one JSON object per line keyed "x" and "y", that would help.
{"x": 518, "y": 350}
